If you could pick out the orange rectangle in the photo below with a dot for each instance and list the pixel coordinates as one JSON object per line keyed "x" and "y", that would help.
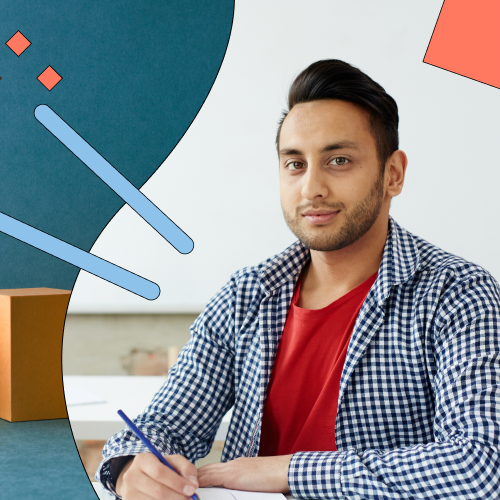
{"x": 31, "y": 331}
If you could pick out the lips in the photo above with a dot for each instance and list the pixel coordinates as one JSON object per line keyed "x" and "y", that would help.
{"x": 319, "y": 216}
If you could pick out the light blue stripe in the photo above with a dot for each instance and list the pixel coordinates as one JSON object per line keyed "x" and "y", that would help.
{"x": 119, "y": 184}
{"x": 84, "y": 260}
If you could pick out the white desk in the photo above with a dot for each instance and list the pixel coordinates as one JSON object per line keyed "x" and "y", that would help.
{"x": 99, "y": 421}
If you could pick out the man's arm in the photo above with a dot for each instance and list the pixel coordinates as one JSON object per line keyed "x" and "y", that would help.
{"x": 185, "y": 414}
{"x": 463, "y": 462}
{"x": 269, "y": 474}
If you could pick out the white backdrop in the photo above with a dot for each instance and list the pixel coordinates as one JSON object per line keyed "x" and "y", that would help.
{"x": 220, "y": 184}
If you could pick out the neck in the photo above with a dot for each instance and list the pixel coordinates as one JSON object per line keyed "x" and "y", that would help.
{"x": 343, "y": 270}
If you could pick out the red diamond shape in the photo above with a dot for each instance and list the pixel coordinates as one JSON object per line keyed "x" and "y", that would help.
{"x": 49, "y": 78}
{"x": 18, "y": 43}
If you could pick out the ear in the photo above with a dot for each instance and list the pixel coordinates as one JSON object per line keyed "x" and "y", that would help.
{"x": 395, "y": 169}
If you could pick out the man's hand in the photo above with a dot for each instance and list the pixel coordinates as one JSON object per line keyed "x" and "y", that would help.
{"x": 146, "y": 478}
{"x": 267, "y": 474}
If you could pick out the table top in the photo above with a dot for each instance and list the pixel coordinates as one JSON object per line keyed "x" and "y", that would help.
{"x": 132, "y": 394}
{"x": 39, "y": 461}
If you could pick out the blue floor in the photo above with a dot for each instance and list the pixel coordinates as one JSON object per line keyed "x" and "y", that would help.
{"x": 39, "y": 460}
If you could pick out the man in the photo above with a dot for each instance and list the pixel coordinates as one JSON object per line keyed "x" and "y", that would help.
{"x": 362, "y": 362}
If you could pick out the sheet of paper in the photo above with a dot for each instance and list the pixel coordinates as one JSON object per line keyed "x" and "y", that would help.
{"x": 78, "y": 396}
{"x": 209, "y": 494}
{"x": 225, "y": 494}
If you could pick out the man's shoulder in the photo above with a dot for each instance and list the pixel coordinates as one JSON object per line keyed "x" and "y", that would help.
{"x": 247, "y": 286}
{"x": 434, "y": 258}
{"x": 443, "y": 265}
{"x": 275, "y": 269}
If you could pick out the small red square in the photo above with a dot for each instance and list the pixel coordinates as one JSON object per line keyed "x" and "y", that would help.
{"x": 49, "y": 78}
{"x": 18, "y": 43}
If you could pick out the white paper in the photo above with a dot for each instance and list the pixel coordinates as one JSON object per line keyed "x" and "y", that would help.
{"x": 209, "y": 494}
{"x": 78, "y": 396}
{"x": 226, "y": 494}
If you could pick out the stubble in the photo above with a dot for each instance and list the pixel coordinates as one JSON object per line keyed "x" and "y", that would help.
{"x": 358, "y": 221}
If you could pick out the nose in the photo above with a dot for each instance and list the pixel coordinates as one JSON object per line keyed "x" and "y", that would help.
{"x": 314, "y": 183}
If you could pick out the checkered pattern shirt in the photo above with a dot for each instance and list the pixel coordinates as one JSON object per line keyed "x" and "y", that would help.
{"x": 419, "y": 400}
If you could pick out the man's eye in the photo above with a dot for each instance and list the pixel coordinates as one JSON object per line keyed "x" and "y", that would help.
{"x": 294, "y": 165}
{"x": 340, "y": 160}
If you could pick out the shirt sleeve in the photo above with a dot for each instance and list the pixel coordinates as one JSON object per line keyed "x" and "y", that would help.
{"x": 463, "y": 461}
{"x": 185, "y": 414}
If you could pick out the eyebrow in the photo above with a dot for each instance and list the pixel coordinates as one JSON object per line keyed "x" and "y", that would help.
{"x": 331, "y": 147}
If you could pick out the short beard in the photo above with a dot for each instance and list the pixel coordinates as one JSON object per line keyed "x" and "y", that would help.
{"x": 357, "y": 223}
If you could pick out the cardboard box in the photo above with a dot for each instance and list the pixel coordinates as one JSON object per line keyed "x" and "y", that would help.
{"x": 31, "y": 332}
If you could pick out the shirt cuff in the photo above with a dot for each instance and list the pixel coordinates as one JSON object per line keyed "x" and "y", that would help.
{"x": 316, "y": 474}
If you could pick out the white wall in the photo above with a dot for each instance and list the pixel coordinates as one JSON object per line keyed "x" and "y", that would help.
{"x": 221, "y": 182}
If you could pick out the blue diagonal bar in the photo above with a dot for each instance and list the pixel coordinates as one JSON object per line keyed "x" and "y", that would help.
{"x": 116, "y": 181}
{"x": 79, "y": 258}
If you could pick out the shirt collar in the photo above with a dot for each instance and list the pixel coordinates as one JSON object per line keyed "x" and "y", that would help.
{"x": 400, "y": 261}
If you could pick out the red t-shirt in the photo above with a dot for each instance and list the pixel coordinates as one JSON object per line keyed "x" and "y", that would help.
{"x": 302, "y": 395}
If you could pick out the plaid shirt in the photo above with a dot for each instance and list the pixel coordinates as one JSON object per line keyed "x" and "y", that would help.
{"x": 419, "y": 400}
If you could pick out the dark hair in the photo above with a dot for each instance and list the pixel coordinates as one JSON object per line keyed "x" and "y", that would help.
{"x": 335, "y": 79}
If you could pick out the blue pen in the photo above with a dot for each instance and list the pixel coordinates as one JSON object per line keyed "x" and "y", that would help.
{"x": 151, "y": 448}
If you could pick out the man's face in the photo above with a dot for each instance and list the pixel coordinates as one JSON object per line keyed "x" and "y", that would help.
{"x": 331, "y": 184}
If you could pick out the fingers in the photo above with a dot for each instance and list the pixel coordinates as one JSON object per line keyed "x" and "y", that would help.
{"x": 248, "y": 474}
{"x": 212, "y": 474}
{"x": 147, "y": 478}
{"x": 141, "y": 486}
{"x": 185, "y": 468}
